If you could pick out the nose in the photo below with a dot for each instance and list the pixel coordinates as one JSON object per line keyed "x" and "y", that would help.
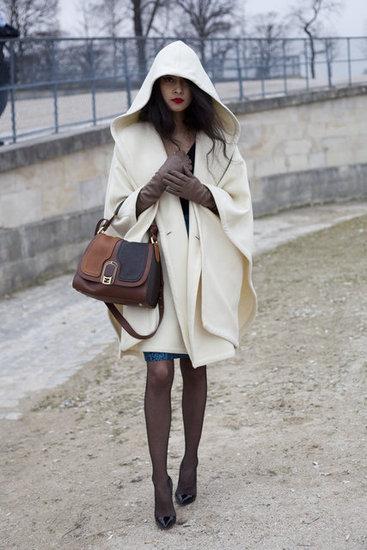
{"x": 179, "y": 86}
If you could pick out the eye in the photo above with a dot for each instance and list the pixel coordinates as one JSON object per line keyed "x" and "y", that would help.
{"x": 167, "y": 78}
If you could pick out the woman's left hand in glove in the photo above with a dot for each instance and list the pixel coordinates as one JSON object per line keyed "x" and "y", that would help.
{"x": 189, "y": 187}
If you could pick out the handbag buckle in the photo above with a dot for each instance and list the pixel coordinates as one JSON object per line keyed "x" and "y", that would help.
{"x": 109, "y": 272}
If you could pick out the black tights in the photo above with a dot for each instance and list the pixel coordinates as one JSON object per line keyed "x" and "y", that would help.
{"x": 157, "y": 409}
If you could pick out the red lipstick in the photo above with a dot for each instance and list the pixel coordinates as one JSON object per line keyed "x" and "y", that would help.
{"x": 177, "y": 100}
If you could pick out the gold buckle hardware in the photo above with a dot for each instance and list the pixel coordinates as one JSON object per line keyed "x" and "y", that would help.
{"x": 100, "y": 229}
{"x": 111, "y": 267}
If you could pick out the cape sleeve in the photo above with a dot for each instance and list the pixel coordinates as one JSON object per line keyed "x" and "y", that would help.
{"x": 119, "y": 187}
{"x": 233, "y": 200}
{"x": 234, "y": 241}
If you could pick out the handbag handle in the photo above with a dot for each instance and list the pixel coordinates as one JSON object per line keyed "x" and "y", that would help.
{"x": 153, "y": 231}
{"x": 100, "y": 228}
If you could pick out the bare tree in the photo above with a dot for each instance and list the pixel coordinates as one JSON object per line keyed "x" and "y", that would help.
{"x": 240, "y": 20}
{"x": 152, "y": 18}
{"x": 208, "y": 19}
{"x": 39, "y": 18}
{"x": 330, "y": 50}
{"x": 145, "y": 15}
{"x": 308, "y": 15}
{"x": 269, "y": 26}
{"x": 86, "y": 23}
{"x": 268, "y": 29}
{"x": 241, "y": 29}
{"x": 139, "y": 15}
{"x": 32, "y": 17}
{"x": 109, "y": 15}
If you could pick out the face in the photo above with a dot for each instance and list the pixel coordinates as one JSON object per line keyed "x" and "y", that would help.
{"x": 175, "y": 88}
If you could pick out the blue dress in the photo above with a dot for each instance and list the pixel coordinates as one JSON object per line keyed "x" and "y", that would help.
{"x": 162, "y": 355}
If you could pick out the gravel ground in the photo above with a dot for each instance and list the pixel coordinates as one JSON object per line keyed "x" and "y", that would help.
{"x": 282, "y": 461}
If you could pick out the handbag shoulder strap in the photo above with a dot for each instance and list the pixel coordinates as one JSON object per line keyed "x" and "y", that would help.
{"x": 99, "y": 227}
{"x": 105, "y": 223}
{"x": 126, "y": 325}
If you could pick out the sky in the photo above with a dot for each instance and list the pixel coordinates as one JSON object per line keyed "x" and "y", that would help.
{"x": 351, "y": 22}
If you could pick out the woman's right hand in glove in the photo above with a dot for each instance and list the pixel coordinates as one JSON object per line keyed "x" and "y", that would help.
{"x": 153, "y": 190}
{"x": 179, "y": 159}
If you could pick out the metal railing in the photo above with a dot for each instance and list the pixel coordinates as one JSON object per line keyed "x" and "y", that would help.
{"x": 51, "y": 85}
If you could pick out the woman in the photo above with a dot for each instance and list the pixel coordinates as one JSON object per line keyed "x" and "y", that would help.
{"x": 177, "y": 162}
{"x": 6, "y": 31}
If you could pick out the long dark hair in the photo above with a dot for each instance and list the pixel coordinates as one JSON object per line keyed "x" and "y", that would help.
{"x": 199, "y": 115}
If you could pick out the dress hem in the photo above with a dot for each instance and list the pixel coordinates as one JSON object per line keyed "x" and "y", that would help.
{"x": 202, "y": 361}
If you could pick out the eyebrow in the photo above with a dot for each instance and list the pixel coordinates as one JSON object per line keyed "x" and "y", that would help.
{"x": 174, "y": 76}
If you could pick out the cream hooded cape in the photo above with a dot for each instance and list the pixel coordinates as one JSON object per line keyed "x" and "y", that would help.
{"x": 209, "y": 297}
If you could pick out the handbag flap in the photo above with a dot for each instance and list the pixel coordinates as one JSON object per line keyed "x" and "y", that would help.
{"x": 97, "y": 252}
{"x": 128, "y": 262}
{"x": 134, "y": 259}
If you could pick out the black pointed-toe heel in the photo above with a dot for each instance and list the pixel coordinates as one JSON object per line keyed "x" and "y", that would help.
{"x": 166, "y": 522}
{"x": 186, "y": 497}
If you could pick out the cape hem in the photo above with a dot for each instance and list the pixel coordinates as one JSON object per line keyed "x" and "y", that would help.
{"x": 212, "y": 359}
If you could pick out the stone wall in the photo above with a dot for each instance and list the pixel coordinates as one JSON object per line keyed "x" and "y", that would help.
{"x": 53, "y": 176}
{"x": 301, "y": 149}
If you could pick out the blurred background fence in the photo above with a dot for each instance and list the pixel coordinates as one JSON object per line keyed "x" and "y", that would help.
{"x": 56, "y": 84}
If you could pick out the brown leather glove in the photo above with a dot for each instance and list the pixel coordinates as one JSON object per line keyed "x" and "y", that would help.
{"x": 153, "y": 190}
{"x": 189, "y": 187}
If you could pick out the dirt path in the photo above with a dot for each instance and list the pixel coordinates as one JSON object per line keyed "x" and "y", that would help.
{"x": 283, "y": 452}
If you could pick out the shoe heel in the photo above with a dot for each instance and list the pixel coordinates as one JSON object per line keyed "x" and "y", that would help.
{"x": 166, "y": 522}
{"x": 186, "y": 498}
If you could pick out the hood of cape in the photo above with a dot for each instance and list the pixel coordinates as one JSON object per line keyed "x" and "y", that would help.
{"x": 177, "y": 58}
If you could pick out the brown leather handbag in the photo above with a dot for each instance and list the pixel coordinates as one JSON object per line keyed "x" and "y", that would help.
{"x": 118, "y": 271}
